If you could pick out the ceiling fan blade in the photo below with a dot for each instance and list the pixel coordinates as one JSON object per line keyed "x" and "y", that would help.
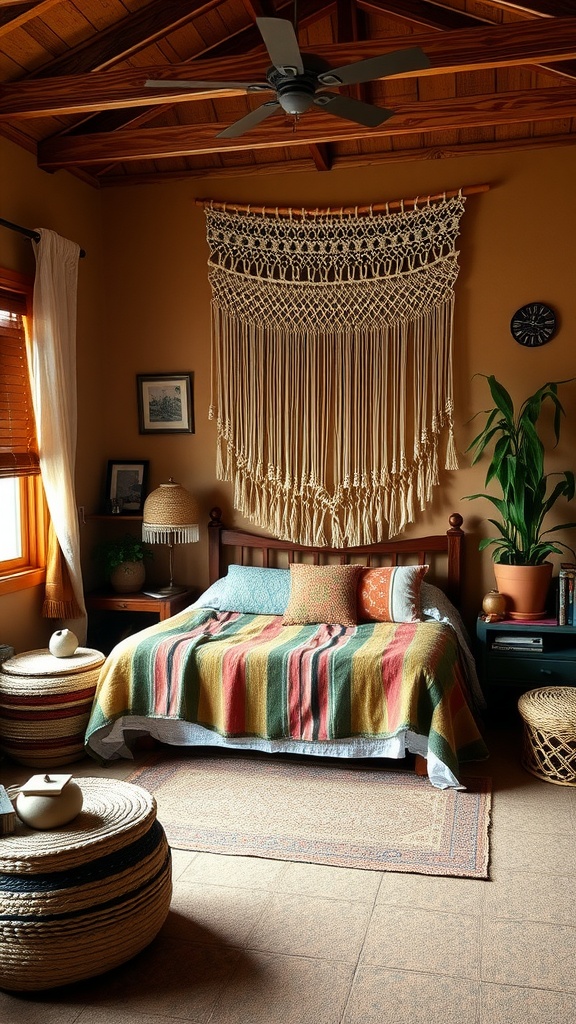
{"x": 412, "y": 59}
{"x": 158, "y": 83}
{"x": 281, "y": 42}
{"x": 250, "y": 121}
{"x": 353, "y": 110}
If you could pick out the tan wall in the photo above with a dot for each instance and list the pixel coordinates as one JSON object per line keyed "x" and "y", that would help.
{"x": 516, "y": 245}
{"x": 145, "y": 308}
{"x": 60, "y": 202}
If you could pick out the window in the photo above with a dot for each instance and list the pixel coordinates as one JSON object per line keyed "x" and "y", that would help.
{"x": 22, "y": 507}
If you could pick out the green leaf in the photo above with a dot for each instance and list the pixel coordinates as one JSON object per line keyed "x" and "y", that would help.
{"x": 501, "y": 398}
{"x": 516, "y": 466}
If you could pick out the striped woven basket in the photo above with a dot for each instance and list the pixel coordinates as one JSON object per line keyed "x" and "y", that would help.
{"x": 80, "y": 900}
{"x": 45, "y": 705}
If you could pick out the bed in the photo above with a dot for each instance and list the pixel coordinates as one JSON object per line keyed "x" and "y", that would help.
{"x": 353, "y": 653}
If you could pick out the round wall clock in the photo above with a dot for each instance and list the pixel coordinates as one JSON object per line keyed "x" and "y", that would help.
{"x": 533, "y": 325}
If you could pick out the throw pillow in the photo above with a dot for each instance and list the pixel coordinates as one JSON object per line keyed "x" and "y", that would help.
{"x": 391, "y": 593}
{"x": 248, "y": 589}
{"x": 322, "y": 593}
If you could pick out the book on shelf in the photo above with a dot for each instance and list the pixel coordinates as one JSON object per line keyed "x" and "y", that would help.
{"x": 519, "y": 640}
{"x": 514, "y": 642}
{"x": 566, "y": 585}
{"x": 517, "y": 648}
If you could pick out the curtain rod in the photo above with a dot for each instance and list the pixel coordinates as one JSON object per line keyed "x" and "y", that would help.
{"x": 394, "y": 204}
{"x": 28, "y": 232}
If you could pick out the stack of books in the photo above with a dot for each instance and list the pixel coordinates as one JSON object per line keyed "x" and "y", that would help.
{"x": 566, "y": 577}
{"x": 518, "y": 643}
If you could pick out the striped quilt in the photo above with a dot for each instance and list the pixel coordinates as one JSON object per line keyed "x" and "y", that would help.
{"x": 249, "y": 675}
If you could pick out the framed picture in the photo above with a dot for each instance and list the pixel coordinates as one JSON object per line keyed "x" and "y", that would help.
{"x": 165, "y": 403}
{"x": 126, "y": 484}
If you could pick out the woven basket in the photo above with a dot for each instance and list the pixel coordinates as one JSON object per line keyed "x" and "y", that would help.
{"x": 549, "y": 741}
{"x": 45, "y": 705}
{"x": 80, "y": 900}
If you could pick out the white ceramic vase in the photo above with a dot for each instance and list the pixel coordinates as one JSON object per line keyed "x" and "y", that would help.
{"x": 63, "y": 643}
{"x": 50, "y": 811}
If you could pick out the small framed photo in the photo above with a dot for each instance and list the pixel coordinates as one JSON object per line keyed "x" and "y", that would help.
{"x": 126, "y": 484}
{"x": 165, "y": 403}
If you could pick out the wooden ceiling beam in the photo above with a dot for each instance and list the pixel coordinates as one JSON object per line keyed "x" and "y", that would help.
{"x": 409, "y": 119}
{"x": 240, "y": 42}
{"x": 535, "y": 8}
{"x": 259, "y": 8}
{"x": 346, "y": 21}
{"x": 422, "y": 12}
{"x": 349, "y": 162}
{"x": 322, "y": 156}
{"x": 449, "y": 52}
{"x": 431, "y": 14}
{"x": 126, "y": 37}
{"x": 249, "y": 38}
{"x": 141, "y": 29}
{"x": 15, "y": 13}
{"x": 347, "y": 30}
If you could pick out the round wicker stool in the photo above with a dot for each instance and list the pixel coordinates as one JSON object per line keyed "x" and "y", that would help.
{"x": 45, "y": 704}
{"x": 549, "y": 742}
{"x": 77, "y": 901}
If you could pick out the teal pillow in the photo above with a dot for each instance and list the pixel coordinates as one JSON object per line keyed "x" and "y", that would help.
{"x": 249, "y": 589}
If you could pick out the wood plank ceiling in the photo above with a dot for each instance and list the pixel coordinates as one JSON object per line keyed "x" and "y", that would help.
{"x": 502, "y": 76}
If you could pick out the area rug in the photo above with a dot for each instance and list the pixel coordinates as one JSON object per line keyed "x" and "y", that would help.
{"x": 321, "y": 813}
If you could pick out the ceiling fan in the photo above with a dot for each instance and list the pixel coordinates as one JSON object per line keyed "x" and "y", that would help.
{"x": 301, "y": 81}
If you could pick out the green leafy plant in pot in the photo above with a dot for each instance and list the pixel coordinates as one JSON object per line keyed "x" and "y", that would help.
{"x": 522, "y": 547}
{"x": 122, "y": 561}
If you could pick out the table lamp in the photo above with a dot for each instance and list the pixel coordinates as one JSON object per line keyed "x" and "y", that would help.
{"x": 170, "y": 517}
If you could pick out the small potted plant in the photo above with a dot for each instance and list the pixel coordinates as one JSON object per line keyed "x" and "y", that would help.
{"x": 122, "y": 561}
{"x": 522, "y": 546}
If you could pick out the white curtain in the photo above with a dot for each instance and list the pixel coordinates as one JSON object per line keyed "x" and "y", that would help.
{"x": 52, "y": 356}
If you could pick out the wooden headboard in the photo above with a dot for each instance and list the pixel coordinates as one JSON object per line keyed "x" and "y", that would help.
{"x": 238, "y": 546}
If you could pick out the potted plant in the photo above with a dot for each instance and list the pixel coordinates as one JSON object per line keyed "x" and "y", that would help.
{"x": 522, "y": 546}
{"x": 122, "y": 561}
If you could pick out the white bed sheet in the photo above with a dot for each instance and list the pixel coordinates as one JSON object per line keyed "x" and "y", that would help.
{"x": 115, "y": 742}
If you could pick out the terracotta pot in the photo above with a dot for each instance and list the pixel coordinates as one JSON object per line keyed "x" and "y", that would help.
{"x": 128, "y": 577}
{"x": 525, "y": 588}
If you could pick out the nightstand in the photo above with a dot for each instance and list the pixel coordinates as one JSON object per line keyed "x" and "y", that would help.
{"x": 119, "y": 615}
{"x": 512, "y": 669}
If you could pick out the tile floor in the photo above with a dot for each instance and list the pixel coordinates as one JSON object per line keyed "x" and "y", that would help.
{"x": 251, "y": 941}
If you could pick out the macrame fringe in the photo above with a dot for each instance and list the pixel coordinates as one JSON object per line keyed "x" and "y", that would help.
{"x": 59, "y": 599}
{"x": 332, "y": 369}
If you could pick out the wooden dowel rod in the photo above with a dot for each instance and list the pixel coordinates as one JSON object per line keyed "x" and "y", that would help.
{"x": 394, "y": 204}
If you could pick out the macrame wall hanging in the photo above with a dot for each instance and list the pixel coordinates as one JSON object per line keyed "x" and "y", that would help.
{"x": 332, "y": 364}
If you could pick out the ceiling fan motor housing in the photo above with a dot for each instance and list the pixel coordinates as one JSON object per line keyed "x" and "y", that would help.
{"x": 295, "y": 92}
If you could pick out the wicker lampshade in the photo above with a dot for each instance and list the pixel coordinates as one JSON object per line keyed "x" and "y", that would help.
{"x": 171, "y": 515}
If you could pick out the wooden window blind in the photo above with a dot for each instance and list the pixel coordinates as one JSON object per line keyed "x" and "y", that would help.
{"x": 18, "y": 444}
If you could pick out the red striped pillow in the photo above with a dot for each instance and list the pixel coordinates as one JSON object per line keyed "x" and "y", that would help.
{"x": 391, "y": 593}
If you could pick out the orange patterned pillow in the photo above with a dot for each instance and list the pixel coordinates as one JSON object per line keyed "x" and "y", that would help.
{"x": 391, "y": 593}
{"x": 322, "y": 593}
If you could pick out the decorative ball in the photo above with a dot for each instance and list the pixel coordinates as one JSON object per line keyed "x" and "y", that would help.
{"x": 50, "y": 811}
{"x": 63, "y": 643}
{"x": 494, "y": 605}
